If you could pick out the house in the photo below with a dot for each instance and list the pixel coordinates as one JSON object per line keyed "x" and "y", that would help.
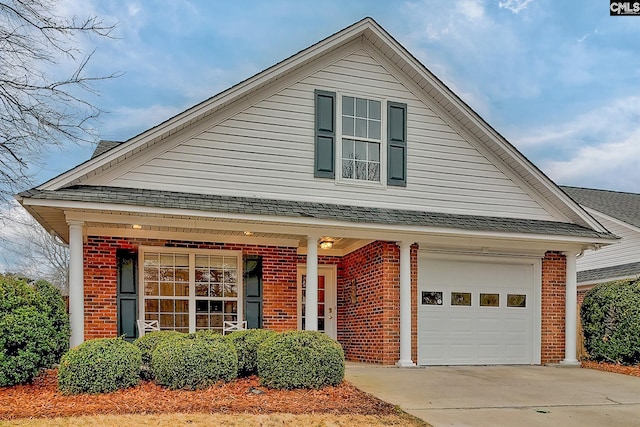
{"x": 345, "y": 189}
{"x": 620, "y": 213}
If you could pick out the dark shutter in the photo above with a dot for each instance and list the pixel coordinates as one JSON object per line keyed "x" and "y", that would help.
{"x": 397, "y": 144}
{"x": 253, "y": 291}
{"x": 127, "y": 295}
{"x": 325, "y": 134}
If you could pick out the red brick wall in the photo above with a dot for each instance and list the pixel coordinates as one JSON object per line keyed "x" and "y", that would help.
{"x": 279, "y": 281}
{"x": 368, "y": 303}
{"x": 553, "y": 307}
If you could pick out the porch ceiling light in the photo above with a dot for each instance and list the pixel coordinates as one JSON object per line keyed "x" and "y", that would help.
{"x": 248, "y": 233}
{"x": 326, "y": 243}
{"x": 136, "y": 226}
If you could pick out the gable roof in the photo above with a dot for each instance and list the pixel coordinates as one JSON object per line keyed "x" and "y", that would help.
{"x": 295, "y": 209}
{"x": 450, "y": 107}
{"x": 619, "y": 205}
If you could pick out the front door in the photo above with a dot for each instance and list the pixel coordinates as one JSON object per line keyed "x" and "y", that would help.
{"x": 327, "y": 315}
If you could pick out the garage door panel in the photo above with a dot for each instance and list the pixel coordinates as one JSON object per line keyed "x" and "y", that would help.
{"x": 496, "y": 332}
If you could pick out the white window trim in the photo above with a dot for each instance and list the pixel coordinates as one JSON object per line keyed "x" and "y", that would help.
{"x": 192, "y": 276}
{"x": 383, "y": 142}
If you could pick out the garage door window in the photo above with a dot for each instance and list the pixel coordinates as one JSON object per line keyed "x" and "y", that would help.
{"x": 461, "y": 298}
{"x": 516, "y": 300}
{"x": 431, "y": 298}
{"x": 489, "y": 300}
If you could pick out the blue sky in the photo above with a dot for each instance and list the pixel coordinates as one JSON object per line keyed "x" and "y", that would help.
{"x": 559, "y": 79}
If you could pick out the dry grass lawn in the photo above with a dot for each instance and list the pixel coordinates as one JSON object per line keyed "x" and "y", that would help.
{"x": 223, "y": 420}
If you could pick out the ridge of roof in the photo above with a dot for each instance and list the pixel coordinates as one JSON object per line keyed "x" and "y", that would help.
{"x": 284, "y": 208}
{"x": 623, "y": 206}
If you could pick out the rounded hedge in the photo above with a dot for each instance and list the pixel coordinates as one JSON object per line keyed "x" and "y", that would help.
{"x": 34, "y": 329}
{"x": 300, "y": 359}
{"x": 99, "y": 366}
{"x": 610, "y": 317}
{"x": 194, "y": 363}
{"x": 246, "y": 344}
{"x": 147, "y": 345}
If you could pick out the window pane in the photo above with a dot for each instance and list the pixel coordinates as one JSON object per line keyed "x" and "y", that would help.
{"x": 361, "y": 128}
{"x": 215, "y": 290}
{"x": 347, "y": 169}
{"x": 374, "y": 110}
{"x": 374, "y": 172}
{"x": 489, "y": 300}
{"x": 361, "y": 107}
{"x": 202, "y": 306}
{"x": 166, "y": 289}
{"x": 182, "y": 289}
{"x": 347, "y": 105}
{"x": 461, "y": 298}
{"x": 374, "y": 130}
{"x": 361, "y": 170}
{"x": 361, "y": 150}
{"x": 347, "y": 149}
{"x": 374, "y": 152}
{"x": 348, "y": 126}
{"x": 182, "y": 260}
{"x": 151, "y": 288}
{"x": 166, "y": 260}
{"x": 516, "y": 300}
{"x": 151, "y": 305}
{"x": 215, "y": 306}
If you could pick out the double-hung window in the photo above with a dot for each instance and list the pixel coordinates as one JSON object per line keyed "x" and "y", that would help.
{"x": 187, "y": 290}
{"x": 360, "y": 139}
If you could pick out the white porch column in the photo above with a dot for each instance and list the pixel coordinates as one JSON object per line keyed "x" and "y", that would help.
{"x": 76, "y": 283}
{"x": 311, "y": 305}
{"x": 571, "y": 301}
{"x": 405, "y": 305}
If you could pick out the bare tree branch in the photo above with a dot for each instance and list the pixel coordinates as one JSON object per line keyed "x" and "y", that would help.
{"x": 38, "y": 109}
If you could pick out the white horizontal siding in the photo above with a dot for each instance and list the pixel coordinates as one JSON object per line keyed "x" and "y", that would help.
{"x": 624, "y": 252}
{"x": 267, "y": 151}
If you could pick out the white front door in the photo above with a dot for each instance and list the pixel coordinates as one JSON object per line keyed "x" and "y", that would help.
{"x": 327, "y": 303}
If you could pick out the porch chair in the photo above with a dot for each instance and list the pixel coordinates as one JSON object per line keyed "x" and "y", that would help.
{"x": 145, "y": 326}
{"x": 233, "y": 325}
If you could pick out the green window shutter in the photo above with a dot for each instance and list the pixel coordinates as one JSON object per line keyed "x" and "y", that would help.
{"x": 253, "y": 291}
{"x": 127, "y": 295}
{"x": 325, "y": 134}
{"x": 397, "y": 144}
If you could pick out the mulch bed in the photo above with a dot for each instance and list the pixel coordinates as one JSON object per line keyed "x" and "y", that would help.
{"x": 611, "y": 367}
{"x": 41, "y": 399}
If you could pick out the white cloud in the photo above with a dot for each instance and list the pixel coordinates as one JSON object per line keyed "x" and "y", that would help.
{"x": 515, "y": 6}
{"x": 599, "y": 148}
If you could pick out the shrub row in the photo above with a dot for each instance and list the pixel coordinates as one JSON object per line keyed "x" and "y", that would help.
{"x": 610, "y": 315}
{"x": 191, "y": 361}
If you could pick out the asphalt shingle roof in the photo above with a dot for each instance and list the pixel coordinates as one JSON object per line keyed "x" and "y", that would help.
{"x": 624, "y": 270}
{"x": 284, "y": 208}
{"x": 622, "y": 206}
{"x": 104, "y": 146}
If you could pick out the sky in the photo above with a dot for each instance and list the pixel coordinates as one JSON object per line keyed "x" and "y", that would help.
{"x": 559, "y": 79}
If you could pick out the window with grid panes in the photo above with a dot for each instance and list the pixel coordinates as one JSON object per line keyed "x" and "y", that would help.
{"x": 190, "y": 291}
{"x": 361, "y": 138}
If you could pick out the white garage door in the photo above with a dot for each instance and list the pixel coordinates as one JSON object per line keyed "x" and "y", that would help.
{"x": 476, "y": 311}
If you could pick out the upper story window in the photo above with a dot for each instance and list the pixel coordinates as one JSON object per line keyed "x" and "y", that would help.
{"x": 361, "y": 139}
{"x": 364, "y": 139}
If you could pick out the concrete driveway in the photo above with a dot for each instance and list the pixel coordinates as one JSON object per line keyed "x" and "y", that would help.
{"x": 505, "y": 395}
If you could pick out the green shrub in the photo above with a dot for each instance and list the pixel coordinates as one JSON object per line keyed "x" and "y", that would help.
{"x": 194, "y": 363}
{"x": 206, "y": 334}
{"x": 99, "y": 366}
{"x": 246, "y": 344}
{"x": 34, "y": 329}
{"x": 610, "y": 317}
{"x": 300, "y": 359}
{"x": 147, "y": 345}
